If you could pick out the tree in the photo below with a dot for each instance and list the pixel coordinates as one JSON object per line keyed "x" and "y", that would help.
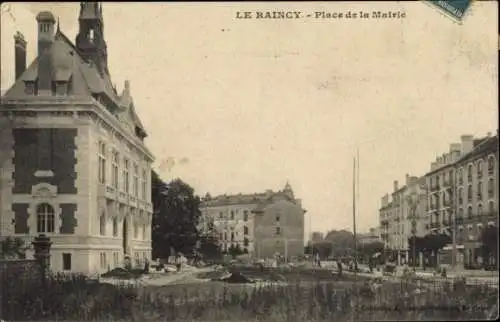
{"x": 209, "y": 243}
{"x": 13, "y": 248}
{"x": 235, "y": 250}
{"x": 175, "y": 217}
{"x": 372, "y": 248}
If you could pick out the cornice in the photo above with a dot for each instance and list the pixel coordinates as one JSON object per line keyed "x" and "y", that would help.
{"x": 71, "y": 104}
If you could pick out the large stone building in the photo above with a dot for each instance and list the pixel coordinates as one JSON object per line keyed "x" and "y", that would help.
{"x": 440, "y": 182}
{"x": 262, "y": 224}
{"x": 73, "y": 159}
{"x": 401, "y": 216}
{"x": 462, "y": 194}
{"x": 477, "y": 194}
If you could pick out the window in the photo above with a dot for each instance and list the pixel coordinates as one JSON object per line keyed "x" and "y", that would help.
{"x": 66, "y": 259}
{"x": 278, "y": 231}
{"x": 245, "y": 242}
{"x": 479, "y": 168}
{"x": 114, "y": 169}
{"x": 479, "y": 209}
{"x": 232, "y": 236}
{"x": 491, "y": 206}
{"x": 221, "y": 215}
{"x": 479, "y": 190}
{"x": 45, "y": 218}
{"x": 221, "y": 235}
{"x": 102, "y": 225}
{"x": 103, "y": 261}
{"x": 91, "y": 35}
{"x": 245, "y": 230}
{"x": 225, "y": 235}
{"x": 144, "y": 184}
{"x": 460, "y": 176}
{"x": 115, "y": 227}
{"x": 460, "y": 196}
{"x": 115, "y": 259}
{"x": 460, "y": 213}
{"x": 135, "y": 183}
{"x": 144, "y": 237}
{"x": 245, "y": 215}
{"x": 469, "y": 193}
{"x": 232, "y": 215}
{"x": 125, "y": 175}
{"x": 469, "y": 173}
{"x": 136, "y": 231}
{"x": 469, "y": 212}
{"x": 491, "y": 164}
{"x": 102, "y": 162}
{"x": 491, "y": 187}
{"x": 277, "y": 217}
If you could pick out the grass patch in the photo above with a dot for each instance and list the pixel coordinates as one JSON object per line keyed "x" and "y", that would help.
{"x": 76, "y": 298}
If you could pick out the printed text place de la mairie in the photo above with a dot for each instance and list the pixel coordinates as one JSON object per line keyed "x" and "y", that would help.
{"x": 266, "y": 15}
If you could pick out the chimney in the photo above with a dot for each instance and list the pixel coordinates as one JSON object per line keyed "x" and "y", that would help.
{"x": 19, "y": 54}
{"x": 455, "y": 147}
{"x": 407, "y": 179}
{"x": 467, "y": 143}
{"x": 46, "y": 21}
{"x": 396, "y": 185}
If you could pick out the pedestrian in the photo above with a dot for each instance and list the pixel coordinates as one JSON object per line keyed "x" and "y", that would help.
{"x": 178, "y": 262}
{"x": 339, "y": 268}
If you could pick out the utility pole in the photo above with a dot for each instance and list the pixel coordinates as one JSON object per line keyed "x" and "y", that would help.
{"x": 354, "y": 216}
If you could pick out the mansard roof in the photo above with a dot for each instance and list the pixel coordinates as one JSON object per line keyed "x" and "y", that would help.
{"x": 86, "y": 80}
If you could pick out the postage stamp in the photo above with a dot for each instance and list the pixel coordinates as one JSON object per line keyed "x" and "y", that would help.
{"x": 456, "y": 9}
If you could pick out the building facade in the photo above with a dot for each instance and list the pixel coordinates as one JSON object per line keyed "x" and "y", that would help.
{"x": 401, "y": 216}
{"x": 262, "y": 224}
{"x": 372, "y": 236}
{"x": 477, "y": 198}
{"x": 441, "y": 186}
{"x": 74, "y": 163}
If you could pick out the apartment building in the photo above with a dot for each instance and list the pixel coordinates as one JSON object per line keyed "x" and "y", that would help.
{"x": 262, "y": 224}
{"x": 401, "y": 216}
{"x": 477, "y": 193}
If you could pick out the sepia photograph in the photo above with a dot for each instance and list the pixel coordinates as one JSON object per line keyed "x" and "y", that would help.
{"x": 249, "y": 161}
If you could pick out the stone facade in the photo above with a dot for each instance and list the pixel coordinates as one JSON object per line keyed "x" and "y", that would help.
{"x": 249, "y": 220}
{"x": 477, "y": 197}
{"x": 74, "y": 164}
{"x": 402, "y": 215}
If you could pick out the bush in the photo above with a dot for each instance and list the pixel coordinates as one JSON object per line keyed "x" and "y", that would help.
{"x": 77, "y": 298}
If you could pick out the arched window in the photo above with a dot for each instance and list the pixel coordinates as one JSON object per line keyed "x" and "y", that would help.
{"x": 102, "y": 225}
{"x": 480, "y": 168}
{"x": 491, "y": 164}
{"x": 45, "y": 218}
{"x": 491, "y": 207}
{"x": 469, "y": 173}
{"x": 136, "y": 230}
{"x": 469, "y": 212}
{"x": 115, "y": 227}
{"x": 144, "y": 232}
{"x": 479, "y": 209}
{"x": 460, "y": 196}
{"x": 460, "y": 213}
{"x": 469, "y": 193}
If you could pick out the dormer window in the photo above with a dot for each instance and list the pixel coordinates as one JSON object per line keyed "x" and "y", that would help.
{"x": 30, "y": 88}
{"x": 91, "y": 35}
{"x": 61, "y": 88}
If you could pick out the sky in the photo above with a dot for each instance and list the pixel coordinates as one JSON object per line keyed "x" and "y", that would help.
{"x": 245, "y": 105}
